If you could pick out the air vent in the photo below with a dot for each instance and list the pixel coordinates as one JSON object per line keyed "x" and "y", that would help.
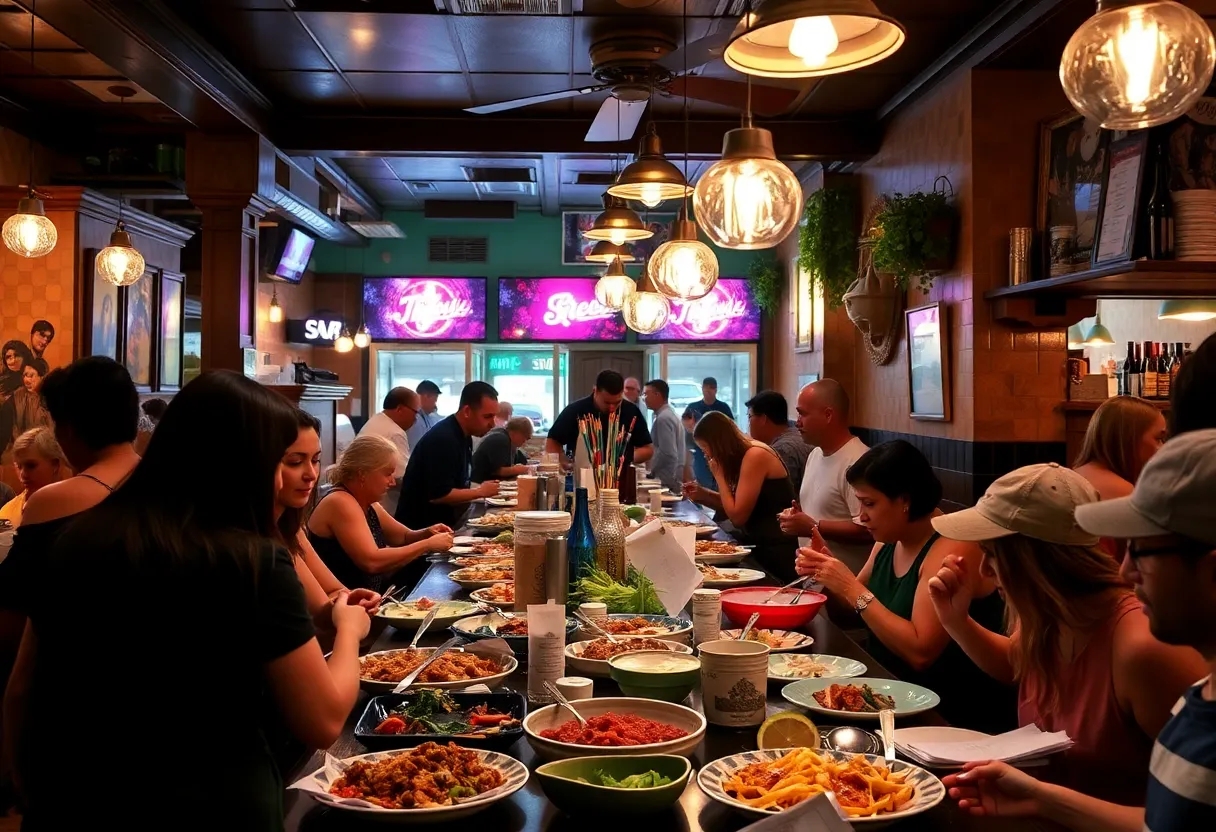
{"x": 422, "y": 187}
{"x": 457, "y": 249}
{"x": 381, "y": 228}
{"x": 533, "y": 7}
{"x": 598, "y": 178}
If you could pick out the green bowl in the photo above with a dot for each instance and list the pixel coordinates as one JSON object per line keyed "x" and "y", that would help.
{"x": 560, "y": 783}
{"x": 650, "y": 674}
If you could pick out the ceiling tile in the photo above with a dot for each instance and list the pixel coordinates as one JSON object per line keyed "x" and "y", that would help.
{"x": 310, "y": 87}
{"x": 490, "y": 88}
{"x": 271, "y": 40}
{"x": 423, "y": 89}
{"x": 15, "y": 32}
{"x": 515, "y": 43}
{"x": 385, "y": 42}
{"x": 428, "y": 168}
{"x": 370, "y": 167}
{"x": 58, "y": 64}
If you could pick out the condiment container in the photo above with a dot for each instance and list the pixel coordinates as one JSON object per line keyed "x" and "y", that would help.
{"x": 734, "y": 682}
{"x": 533, "y": 531}
{"x": 706, "y": 615}
{"x": 575, "y": 687}
{"x": 546, "y": 648}
{"x": 525, "y": 496}
{"x": 594, "y": 610}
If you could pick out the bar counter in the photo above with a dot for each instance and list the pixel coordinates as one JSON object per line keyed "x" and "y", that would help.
{"x": 528, "y": 810}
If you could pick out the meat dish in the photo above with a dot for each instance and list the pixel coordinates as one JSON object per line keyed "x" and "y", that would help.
{"x": 495, "y": 550}
{"x": 503, "y": 593}
{"x": 616, "y": 730}
{"x": 474, "y": 573}
{"x": 854, "y": 699}
{"x": 632, "y": 627}
{"x": 452, "y": 666}
{"x": 716, "y": 547}
{"x": 429, "y": 775}
{"x": 602, "y": 649}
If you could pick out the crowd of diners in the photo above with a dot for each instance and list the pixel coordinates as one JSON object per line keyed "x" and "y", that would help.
{"x": 170, "y": 606}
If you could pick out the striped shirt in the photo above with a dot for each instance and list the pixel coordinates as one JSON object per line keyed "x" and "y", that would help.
{"x": 1182, "y": 773}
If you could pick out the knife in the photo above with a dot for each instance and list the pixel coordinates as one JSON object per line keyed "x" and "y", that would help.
{"x": 439, "y": 651}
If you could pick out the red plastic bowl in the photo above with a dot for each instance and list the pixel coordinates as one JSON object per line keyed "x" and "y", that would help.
{"x": 739, "y": 604}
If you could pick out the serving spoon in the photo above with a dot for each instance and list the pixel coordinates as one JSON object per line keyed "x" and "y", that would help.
{"x": 561, "y": 699}
{"x": 426, "y": 622}
{"x": 751, "y": 622}
{"x": 595, "y": 628}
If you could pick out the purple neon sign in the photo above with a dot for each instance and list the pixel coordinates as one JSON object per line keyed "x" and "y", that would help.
{"x": 728, "y": 313}
{"x": 555, "y": 309}
{"x": 425, "y": 308}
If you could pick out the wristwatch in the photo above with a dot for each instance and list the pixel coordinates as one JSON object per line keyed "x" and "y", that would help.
{"x": 863, "y": 601}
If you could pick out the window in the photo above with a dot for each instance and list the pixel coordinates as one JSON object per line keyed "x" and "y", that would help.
{"x": 406, "y": 368}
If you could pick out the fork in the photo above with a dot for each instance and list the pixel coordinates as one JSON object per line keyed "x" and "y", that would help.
{"x": 595, "y": 628}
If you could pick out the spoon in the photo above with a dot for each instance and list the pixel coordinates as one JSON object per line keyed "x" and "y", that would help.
{"x": 561, "y": 699}
{"x": 790, "y": 585}
{"x": 595, "y": 628}
{"x": 491, "y": 608}
{"x": 851, "y": 740}
{"x": 751, "y": 622}
{"x": 426, "y": 622}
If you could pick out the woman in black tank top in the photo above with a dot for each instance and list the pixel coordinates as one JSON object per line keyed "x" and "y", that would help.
{"x": 355, "y": 537}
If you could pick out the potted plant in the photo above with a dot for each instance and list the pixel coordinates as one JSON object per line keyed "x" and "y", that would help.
{"x": 913, "y": 236}
{"x": 766, "y": 283}
{"x": 827, "y": 243}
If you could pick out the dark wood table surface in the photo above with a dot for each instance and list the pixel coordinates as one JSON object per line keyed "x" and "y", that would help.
{"x": 528, "y": 810}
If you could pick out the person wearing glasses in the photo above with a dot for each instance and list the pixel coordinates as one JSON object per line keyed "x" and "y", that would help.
{"x": 1171, "y": 562}
{"x": 401, "y": 407}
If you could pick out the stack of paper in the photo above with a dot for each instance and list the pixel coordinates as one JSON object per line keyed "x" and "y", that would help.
{"x": 1021, "y": 746}
{"x": 664, "y": 555}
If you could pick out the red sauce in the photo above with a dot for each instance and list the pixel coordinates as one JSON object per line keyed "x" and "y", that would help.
{"x": 614, "y": 730}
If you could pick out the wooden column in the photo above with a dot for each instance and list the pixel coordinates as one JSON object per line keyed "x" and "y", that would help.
{"x": 231, "y": 180}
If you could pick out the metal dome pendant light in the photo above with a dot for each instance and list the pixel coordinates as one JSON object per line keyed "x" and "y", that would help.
{"x": 1136, "y": 65}
{"x": 30, "y": 232}
{"x": 650, "y": 178}
{"x": 606, "y": 252}
{"x": 615, "y": 287}
{"x": 617, "y": 223}
{"x": 808, "y": 38}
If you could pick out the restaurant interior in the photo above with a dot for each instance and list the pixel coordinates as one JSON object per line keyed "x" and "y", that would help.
{"x": 337, "y": 198}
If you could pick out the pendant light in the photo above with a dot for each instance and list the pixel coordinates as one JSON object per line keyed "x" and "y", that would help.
{"x": 363, "y": 338}
{"x": 1135, "y": 65}
{"x": 615, "y": 286}
{"x": 650, "y": 178}
{"x": 1187, "y": 309}
{"x": 1099, "y": 336}
{"x": 344, "y": 343}
{"x": 748, "y": 199}
{"x": 120, "y": 262}
{"x": 645, "y": 310}
{"x": 606, "y": 252}
{"x": 806, "y": 38}
{"x": 617, "y": 223}
{"x": 275, "y": 313}
{"x": 30, "y": 232}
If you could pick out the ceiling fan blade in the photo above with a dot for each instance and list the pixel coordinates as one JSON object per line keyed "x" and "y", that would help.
{"x": 614, "y": 112}
{"x": 515, "y": 103}
{"x": 698, "y": 53}
{"x": 766, "y": 101}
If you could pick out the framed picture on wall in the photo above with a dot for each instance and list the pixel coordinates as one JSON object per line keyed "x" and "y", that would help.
{"x": 141, "y": 318}
{"x": 928, "y": 364}
{"x": 803, "y": 307}
{"x": 1121, "y": 188}
{"x": 576, "y": 247}
{"x": 101, "y": 299}
{"x": 1072, "y": 163}
{"x": 169, "y": 338}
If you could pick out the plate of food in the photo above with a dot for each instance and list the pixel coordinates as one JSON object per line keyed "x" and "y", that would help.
{"x": 720, "y": 552}
{"x": 479, "y": 577}
{"x": 484, "y": 720}
{"x": 713, "y": 577}
{"x": 629, "y": 625}
{"x": 484, "y": 563}
{"x": 380, "y": 672}
{"x": 590, "y": 658}
{"x": 861, "y": 698}
{"x": 501, "y": 501}
{"x": 778, "y": 641}
{"x": 615, "y": 726}
{"x": 493, "y": 549}
{"x": 513, "y": 630}
{"x": 493, "y": 521}
{"x": 430, "y": 783}
{"x": 407, "y": 615}
{"x": 500, "y": 594}
{"x": 789, "y": 667}
{"x": 868, "y": 789}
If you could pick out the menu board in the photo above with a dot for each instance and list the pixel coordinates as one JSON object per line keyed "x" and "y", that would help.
{"x": 425, "y": 308}
{"x": 555, "y": 309}
{"x": 728, "y": 313}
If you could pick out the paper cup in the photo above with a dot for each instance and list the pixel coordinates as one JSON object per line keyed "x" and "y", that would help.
{"x": 734, "y": 682}
{"x": 575, "y": 687}
{"x": 525, "y": 497}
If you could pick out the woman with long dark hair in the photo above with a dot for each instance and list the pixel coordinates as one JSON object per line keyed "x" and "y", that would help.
{"x": 753, "y": 488}
{"x": 197, "y": 593}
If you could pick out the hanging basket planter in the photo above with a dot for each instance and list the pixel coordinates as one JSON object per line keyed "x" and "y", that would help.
{"x": 914, "y": 235}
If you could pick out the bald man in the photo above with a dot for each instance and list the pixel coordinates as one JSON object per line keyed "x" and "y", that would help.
{"x": 633, "y": 390}
{"x": 401, "y": 407}
{"x": 825, "y": 498}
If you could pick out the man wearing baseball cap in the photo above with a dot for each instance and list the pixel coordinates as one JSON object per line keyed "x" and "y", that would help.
{"x": 1170, "y": 527}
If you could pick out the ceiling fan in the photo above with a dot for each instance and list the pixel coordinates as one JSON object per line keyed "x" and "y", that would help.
{"x": 635, "y": 64}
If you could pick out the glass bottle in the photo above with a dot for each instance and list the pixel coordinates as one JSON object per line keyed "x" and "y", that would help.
{"x": 580, "y": 542}
{"x": 610, "y": 535}
{"x": 1128, "y": 370}
{"x": 1149, "y": 388}
{"x": 1176, "y": 364}
{"x": 1161, "y": 212}
{"x": 1163, "y": 371}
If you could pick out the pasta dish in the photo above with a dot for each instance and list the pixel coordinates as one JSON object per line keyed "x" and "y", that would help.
{"x": 494, "y": 518}
{"x": 717, "y": 547}
{"x": 632, "y": 627}
{"x": 476, "y": 573}
{"x": 861, "y": 789}
{"x": 452, "y": 666}
{"x": 602, "y": 649}
{"x": 429, "y": 775}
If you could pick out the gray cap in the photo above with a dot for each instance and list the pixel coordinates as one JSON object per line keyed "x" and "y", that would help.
{"x": 1176, "y": 494}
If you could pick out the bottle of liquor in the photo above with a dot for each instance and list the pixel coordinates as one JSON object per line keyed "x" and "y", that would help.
{"x": 580, "y": 541}
{"x": 1128, "y": 370}
{"x": 1161, "y": 211}
{"x": 1149, "y": 388}
{"x": 1136, "y": 379}
{"x": 1163, "y": 372}
{"x": 1176, "y": 364}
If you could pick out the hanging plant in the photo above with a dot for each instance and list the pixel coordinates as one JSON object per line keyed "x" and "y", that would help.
{"x": 827, "y": 243}
{"x": 766, "y": 283}
{"x": 914, "y": 234}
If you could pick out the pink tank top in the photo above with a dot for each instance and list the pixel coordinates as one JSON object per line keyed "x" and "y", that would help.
{"x": 1110, "y": 757}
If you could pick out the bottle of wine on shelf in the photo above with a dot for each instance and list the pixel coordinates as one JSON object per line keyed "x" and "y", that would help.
{"x": 1161, "y": 211}
{"x": 1128, "y": 370}
{"x": 1176, "y": 364}
{"x": 1149, "y": 390}
{"x": 1163, "y": 372}
{"x": 1136, "y": 379}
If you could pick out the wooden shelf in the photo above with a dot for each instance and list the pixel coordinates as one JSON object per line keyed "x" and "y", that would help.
{"x": 1151, "y": 279}
{"x": 1090, "y": 407}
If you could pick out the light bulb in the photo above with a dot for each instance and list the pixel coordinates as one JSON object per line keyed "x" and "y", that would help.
{"x": 362, "y": 339}
{"x": 344, "y": 343}
{"x": 650, "y": 196}
{"x": 1137, "y": 66}
{"x": 748, "y": 200}
{"x": 120, "y": 262}
{"x": 30, "y": 234}
{"x": 683, "y": 269}
{"x": 812, "y": 39}
{"x": 275, "y": 313}
{"x": 646, "y": 312}
{"x": 617, "y": 237}
{"x": 612, "y": 290}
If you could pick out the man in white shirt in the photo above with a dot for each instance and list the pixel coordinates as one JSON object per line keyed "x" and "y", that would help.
{"x": 399, "y": 414}
{"x": 826, "y": 499}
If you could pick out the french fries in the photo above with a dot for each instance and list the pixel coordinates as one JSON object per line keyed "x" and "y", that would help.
{"x": 861, "y": 789}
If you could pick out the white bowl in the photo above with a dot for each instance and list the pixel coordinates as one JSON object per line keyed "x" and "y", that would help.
{"x": 679, "y": 630}
{"x": 553, "y": 716}
{"x": 599, "y": 667}
{"x": 508, "y": 664}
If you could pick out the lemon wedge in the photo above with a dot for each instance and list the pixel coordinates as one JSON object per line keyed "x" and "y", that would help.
{"x": 787, "y": 730}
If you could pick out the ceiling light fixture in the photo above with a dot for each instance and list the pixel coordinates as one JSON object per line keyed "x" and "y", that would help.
{"x": 30, "y": 232}
{"x": 1136, "y": 65}
{"x": 120, "y": 262}
{"x": 1187, "y": 309}
{"x": 617, "y": 223}
{"x": 1099, "y": 336}
{"x": 683, "y": 268}
{"x": 275, "y": 313}
{"x": 606, "y": 252}
{"x": 363, "y": 338}
{"x": 650, "y": 178}
{"x": 806, "y": 38}
{"x": 645, "y": 310}
{"x": 615, "y": 287}
{"x": 344, "y": 343}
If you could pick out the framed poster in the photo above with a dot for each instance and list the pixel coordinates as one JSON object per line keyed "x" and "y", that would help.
{"x": 101, "y": 299}
{"x": 575, "y": 246}
{"x": 1072, "y": 163}
{"x": 803, "y": 310}
{"x": 170, "y": 345}
{"x": 140, "y": 317}
{"x": 1120, "y": 199}
{"x": 928, "y": 367}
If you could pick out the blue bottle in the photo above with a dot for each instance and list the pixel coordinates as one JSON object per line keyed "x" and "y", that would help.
{"x": 580, "y": 541}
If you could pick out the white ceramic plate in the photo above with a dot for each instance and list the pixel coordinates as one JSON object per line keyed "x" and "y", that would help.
{"x": 929, "y": 790}
{"x": 500, "y": 501}
{"x": 507, "y": 663}
{"x": 515, "y": 775}
{"x": 481, "y": 595}
{"x": 723, "y": 560}
{"x": 553, "y": 716}
{"x": 909, "y": 698}
{"x": 407, "y": 616}
{"x": 784, "y": 667}
{"x": 468, "y": 578}
{"x": 461, "y": 550}
{"x": 734, "y": 577}
{"x": 790, "y": 641}
{"x": 706, "y": 530}
{"x": 466, "y": 540}
{"x": 673, "y": 629}
{"x": 599, "y": 667}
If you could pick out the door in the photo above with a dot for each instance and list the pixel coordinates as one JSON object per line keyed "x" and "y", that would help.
{"x": 734, "y": 368}
{"x": 586, "y": 365}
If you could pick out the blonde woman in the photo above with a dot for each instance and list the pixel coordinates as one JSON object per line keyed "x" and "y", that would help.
{"x": 1079, "y": 648}
{"x": 1123, "y": 435}
{"x": 355, "y": 537}
{"x": 39, "y": 461}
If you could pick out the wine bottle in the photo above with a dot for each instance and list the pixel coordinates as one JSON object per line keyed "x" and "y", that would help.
{"x": 1163, "y": 372}
{"x": 1161, "y": 211}
{"x": 1128, "y": 370}
{"x": 1136, "y": 380}
{"x": 580, "y": 540}
{"x": 1149, "y": 391}
{"x": 1176, "y": 364}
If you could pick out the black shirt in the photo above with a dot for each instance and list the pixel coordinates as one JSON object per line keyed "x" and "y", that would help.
{"x": 701, "y": 408}
{"x": 441, "y": 463}
{"x": 331, "y": 553}
{"x": 494, "y": 453}
{"x": 565, "y": 427}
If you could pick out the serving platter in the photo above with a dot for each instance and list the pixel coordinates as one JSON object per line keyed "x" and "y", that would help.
{"x": 783, "y": 667}
{"x": 909, "y": 698}
{"x": 733, "y": 577}
{"x": 669, "y": 628}
{"x": 598, "y": 668}
{"x": 470, "y": 577}
{"x": 508, "y": 665}
{"x": 407, "y": 615}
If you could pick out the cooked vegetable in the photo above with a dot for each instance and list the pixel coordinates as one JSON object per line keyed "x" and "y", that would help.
{"x": 635, "y": 513}
{"x": 650, "y": 780}
{"x": 504, "y": 537}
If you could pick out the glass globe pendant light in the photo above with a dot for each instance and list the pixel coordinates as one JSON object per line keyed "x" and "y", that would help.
{"x": 683, "y": 268}
{"x": 617, "y": 223}
{"x": 645, "y": 310}
{"x": 650, "y": 178}
{"x": 344, "y": 343}
{"x": 605, "y": 252}
{"x": 807, "y": 38}
{"x": 120, "y": 262}
{"x": 275, "y": 313}
{"x": 1136, "y": 65}
{"x": 363, "y": 338}
{"x": 615, "y": 286}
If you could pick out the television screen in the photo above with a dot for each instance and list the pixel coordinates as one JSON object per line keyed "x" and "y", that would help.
{"x": 425, "y": 308}
{"x": 727, "y": 313}
{"x": 297, "y": 250}
{"x": 555, "y": 309}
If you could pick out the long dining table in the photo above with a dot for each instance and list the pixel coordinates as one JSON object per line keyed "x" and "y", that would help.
{"x": 528, "y": 810}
